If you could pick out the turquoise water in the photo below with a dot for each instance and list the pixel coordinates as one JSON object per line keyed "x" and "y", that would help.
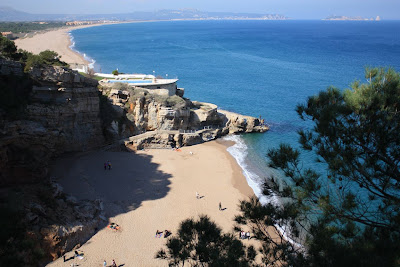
{"x": 258, "y": 68}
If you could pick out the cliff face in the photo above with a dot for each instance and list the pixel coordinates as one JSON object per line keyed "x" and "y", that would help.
{"x": 52, "y": 110}
{"x": 62, "y": 116}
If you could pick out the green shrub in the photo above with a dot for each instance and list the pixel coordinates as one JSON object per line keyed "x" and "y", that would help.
{"x": 176, "y": 102}
{"x": 46, "y": 57}
{"x": 120, "y": 86}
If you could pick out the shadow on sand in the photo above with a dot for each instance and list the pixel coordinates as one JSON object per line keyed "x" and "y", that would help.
{"x": 132, "y": 179}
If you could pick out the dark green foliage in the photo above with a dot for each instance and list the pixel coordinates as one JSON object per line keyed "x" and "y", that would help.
{"x": 23, "y": 27}
{"x": 44, "y": 58}
{"x": 202, "y": 243}
{"x": 115, "y": 72}
{"x": 350, "y": 215}
{"x": 7, "y": 48}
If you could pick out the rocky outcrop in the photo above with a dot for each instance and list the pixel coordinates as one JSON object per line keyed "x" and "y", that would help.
{"x": 237, "y": 123}
{"x": 182, "y": 122}
{"x": 58, "y": 222}
{"x": 9, "y": 67}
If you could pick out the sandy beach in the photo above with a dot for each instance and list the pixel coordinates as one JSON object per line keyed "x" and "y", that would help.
{"x": 151, "y": 190}
{"x": 55, "y": 40}
{"x": 145, "y": 191}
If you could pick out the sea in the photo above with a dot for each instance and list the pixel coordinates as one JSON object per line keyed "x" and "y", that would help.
{"x": 253, "y": 67}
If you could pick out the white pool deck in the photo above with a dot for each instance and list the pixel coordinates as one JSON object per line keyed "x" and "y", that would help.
{"x": 134, "y": 79}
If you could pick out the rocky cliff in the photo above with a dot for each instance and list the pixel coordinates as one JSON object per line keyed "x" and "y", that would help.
{"x": 148, "y": 120}
{"x": 62, "y": 116}
{"x": 44, "y": 113}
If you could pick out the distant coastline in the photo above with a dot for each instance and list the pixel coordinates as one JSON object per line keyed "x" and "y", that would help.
{"x": 352, "y": 18}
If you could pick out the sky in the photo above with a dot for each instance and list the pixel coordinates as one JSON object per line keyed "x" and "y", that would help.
{"x": 297, "y": 9}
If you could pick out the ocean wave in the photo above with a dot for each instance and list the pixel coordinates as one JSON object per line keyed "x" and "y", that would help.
{"x": 86, "y": 57}
{"x": 240, "y": 152}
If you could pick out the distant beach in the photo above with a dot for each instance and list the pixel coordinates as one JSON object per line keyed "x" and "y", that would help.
{"x": 57, "y": 40}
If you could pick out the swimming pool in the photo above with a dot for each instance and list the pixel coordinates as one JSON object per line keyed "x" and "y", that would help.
{"x": 130, "y": 81}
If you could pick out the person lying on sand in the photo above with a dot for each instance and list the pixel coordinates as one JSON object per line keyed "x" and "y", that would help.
{"x": 113, "y": 226}
{"x": 159, "y": 234}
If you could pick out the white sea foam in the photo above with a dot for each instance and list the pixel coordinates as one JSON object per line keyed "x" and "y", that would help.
{"x": 240, "y": 152}
{"x": 86, "y": 57}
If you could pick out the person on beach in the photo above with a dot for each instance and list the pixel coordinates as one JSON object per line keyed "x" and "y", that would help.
{"x": 104, "y": 263}
{"x": 105, "y": 166}
{"x": 220, "y": 206}
{"x": 167, "y": 233}
{"x": 109, "y": 165}
{"x": 248, "y": 235}
{"x": 114, "y": 264}
{"x": 197, "y": 195}
{"x": 158, "y": 234}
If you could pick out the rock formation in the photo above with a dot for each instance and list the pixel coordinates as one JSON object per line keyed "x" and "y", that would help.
{"x": 145, "y": 120}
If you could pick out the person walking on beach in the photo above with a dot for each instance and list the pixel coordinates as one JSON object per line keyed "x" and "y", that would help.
{"x": 220, "y": 206}
{"x": 197, "y": 195}
{"x": 109, "y": 165}
{"x": 104, "y": 263}
{"x": 114, "y": 264}
{"x": 105, "y": 166}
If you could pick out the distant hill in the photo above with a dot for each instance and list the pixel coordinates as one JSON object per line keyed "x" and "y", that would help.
{"x": 10, "y": 14}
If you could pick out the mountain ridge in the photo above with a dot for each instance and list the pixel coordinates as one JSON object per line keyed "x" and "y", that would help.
{"x": 13, "y": 15}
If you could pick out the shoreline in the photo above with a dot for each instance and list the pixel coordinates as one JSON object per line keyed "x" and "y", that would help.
{"x": 150, "y": 190}
{"x": 58, "y": 40}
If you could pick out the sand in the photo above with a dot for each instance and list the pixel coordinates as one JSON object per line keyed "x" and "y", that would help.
{"x": 55, "y": 40}
{"x": 148, "y": 191}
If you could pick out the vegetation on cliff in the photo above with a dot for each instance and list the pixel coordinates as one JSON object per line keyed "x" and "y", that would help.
{"x": 14, "y": 88}
{"x": 350, "y": 215}
{"x": 8, "y": 50}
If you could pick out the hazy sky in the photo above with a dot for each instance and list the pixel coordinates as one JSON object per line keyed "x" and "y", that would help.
{"x": 300, "y": 9}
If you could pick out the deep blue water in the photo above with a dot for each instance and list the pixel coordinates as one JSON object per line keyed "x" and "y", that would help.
{"x": 251, "y": 67}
